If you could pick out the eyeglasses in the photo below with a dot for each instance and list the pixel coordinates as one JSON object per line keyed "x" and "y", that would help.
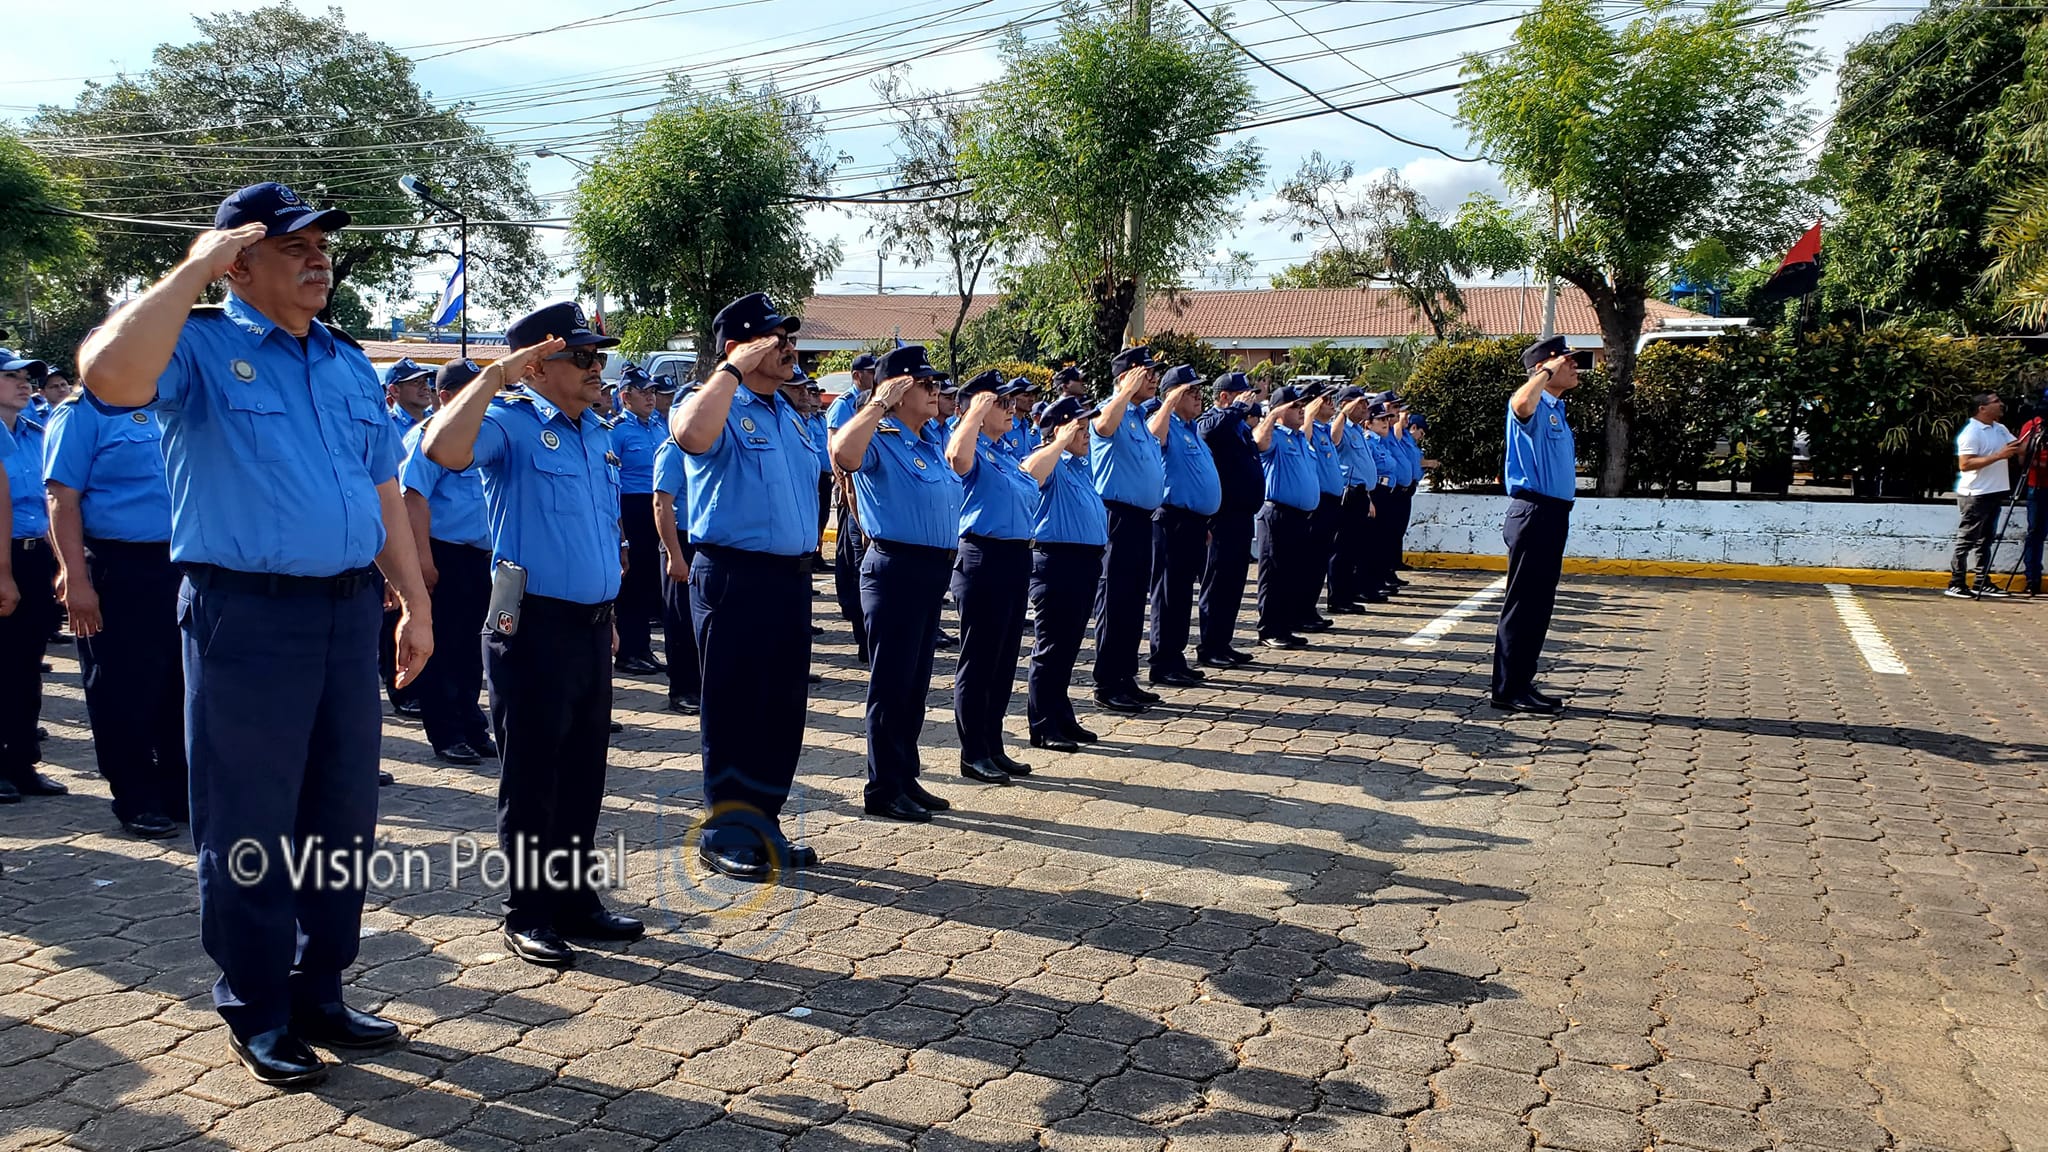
{"x": 583, "y": 358}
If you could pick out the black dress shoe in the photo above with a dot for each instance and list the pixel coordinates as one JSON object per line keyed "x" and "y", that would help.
{"x": 983, "y": 771}
{"x": 485, "y": 747}
{"x": 43, "y": 733}
{"x": 738, "y": 863}
{"x": 925, "y": 796}
{"x": 458, "y": 754}
{"x": 603, "y": 924}
{"x": 617, "y": 727}
{"x": 1082, "y": 735}
{"x": 9, "y": 794}
{"x": 1346, "y": 609}
{"x": 1137, "y": 693}
{"x": 151, "y": 826}
{"x": 687, "y": 705}
{"x": 814, "y": 678}
{"x": 1242, "y": 657}
{"x": 1178, "y": 678}
{"x": 278, "y": 1057}
{"x": 1317, "y": 624}
{"x": 796, "y": 855}
{"x": 817, "y": 631}
{"x": 1006, "y": 763}
{"x": 542, "y": 946}
{"x": 945, "y": 641}
{"x": 1218, "y": 661}
{"x": 1524, "y": 703}
{"x": 636, "y": 665}
{"x": 901, "y": 808}
{"x": 1287, "y": 640}
{"x": 340, "y": 1026}
{"x": 1374, "y": 597}
{"x": 37, "y": 784}
{"x": 1121, "y": 701}
{"x": 1053, "y": 743}
{"x": 385, "y": 779}
{"x": 409, "y": 708}
{"x": 1546, "y": 698}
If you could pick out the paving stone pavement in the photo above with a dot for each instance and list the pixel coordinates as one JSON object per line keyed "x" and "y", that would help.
{"x": 1747, "y": 895}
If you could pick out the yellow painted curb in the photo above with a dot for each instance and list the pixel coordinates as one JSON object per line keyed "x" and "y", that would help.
{"x": 1589, "y": 566}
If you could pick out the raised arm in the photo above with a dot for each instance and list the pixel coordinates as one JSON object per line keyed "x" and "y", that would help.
{"x": 1111, "y": 417}
{"x": 698, "y": 421}
{"x": 1523, "y": 403}
{"x": 967, "y": 433}
{"x": 123, "y": 359}
{"x": 850, "y": 443}
{"x": 451, "y": 437}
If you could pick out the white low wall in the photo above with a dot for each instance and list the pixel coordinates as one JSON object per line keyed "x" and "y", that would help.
{"x": 1789, "y": 533}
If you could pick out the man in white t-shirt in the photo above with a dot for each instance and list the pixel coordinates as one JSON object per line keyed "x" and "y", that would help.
{"x": 1982, "y": 449}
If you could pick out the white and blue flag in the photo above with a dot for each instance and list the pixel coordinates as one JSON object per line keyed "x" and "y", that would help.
{"x": 451, "y": 299}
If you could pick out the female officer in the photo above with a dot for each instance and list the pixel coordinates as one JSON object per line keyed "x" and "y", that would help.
{"x": 1068, "y": 537}
{"x": 992, "y": 575}
{"x": 909, "y": 503}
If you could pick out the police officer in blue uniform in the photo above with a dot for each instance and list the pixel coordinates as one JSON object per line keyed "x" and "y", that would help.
{"x": 751, "y": 477}
{"x": 1542, "y": 481}
{"x": 1293, "y": 490}
{"x": 1130, "y": 476}
{"x": 634, "y": 436}
{"x": 821, "y": 438}
{"x": 1020, "y": 439}
{"x": 850, "y": 544}
{"x": 909, "y": 504}
{"x": 52, "y": 388}
{"x": 1068, "y": 381}
{"x": 409, "y": 389}
{"x": 992, "y": 574}
{"x": 1226, "y": 430}
{"x": 24, "y": 633}
{"x": 1322, "y": 527}
{"x": 1407, "y": 472}
{"x": 110, "y": 519}
{"x": 282, "y": 464}
{"x": 1380, "y": 580}
{"x": 1068, "y": 535}
{"x": 685, "y": 684}
{"x": 1355, "y": 526}
{"x": 451, "y": 530}
{"x": 1180, "y": 528}
{"x": 545, "y": 455}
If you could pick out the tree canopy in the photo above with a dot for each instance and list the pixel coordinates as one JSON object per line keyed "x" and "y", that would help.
{"x": 276, "y": 94}
{"x": 1104, "y": 126}
{"x": 1645, "y": 141}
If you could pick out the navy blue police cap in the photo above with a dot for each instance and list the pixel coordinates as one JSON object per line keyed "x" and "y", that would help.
{"x": 1354, "y": 392}
{"x": 1065, "y": 410}
{"x": 565, "y": 320}
{"x": 277, "y": 208}
{"x": 1535, "y": 354}
{"x": 1375, "y": 410}
{"x": 1232, "y": 382}
{"x": 990, "y": 381}
{"x": 1129, "y": 358}
{"x": 664, "y": 384}
{"x": 1038, "y": 412}
{"x": 1018, "y": 386}
{"x": 908, "y": 360}
{"x": 455, "y": 374}
{"x": 1178, "y": 375}
{"x": 865, "y": 362}
{"x": 1287, "y": 394}
{"x": 1418, "y": 420}
{"x": 751, "y": 317}
{"x": 1070, "y": 372}
{"x": 405, "y": 370}
{"x": 12, "y": 361}
{"x": 634, "y": 376}
{"x": 797, "y": 375}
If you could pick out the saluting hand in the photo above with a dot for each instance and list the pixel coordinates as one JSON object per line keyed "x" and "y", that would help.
{"x": 1073, "y": 434}
{"x": 512, "y": 367}
{"x": 1133, "y": 379}
{"x": 216, "y": 250}
{"x": 891, "y": 392}
{"x": 81, "y": 604}
{"x": 1174, "y": 397}
{"x": 755, "y": 355}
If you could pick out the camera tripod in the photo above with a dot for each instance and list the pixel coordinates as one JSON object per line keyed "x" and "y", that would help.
{"x": 2026, "y": 460}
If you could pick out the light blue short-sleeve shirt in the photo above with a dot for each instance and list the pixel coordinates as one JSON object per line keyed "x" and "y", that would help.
{"x": 756, "y": 487}
{"x": 114, "y": 459}
{"x": 553, "y": 504}
{"x": 457, "y": 512}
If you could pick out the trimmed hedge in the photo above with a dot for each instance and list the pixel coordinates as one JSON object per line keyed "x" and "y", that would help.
{"x": 1880, "y": 409}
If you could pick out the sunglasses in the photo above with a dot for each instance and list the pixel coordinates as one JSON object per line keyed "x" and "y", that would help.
{"x": 584, "y": 358}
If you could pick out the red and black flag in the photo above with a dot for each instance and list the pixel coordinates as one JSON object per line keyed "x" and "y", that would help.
{"x": 1798, "y": 274}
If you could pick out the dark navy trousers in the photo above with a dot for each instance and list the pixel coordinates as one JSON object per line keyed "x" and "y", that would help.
{"x": 1179, "y": 538}
{"x": 640, "y": 584}
{"x": 1284, "y": 560}
{"x": 991, "y": 584}
{"x": 1224, "y": 568}
{"x": 282, "y": 728}
{"x": 1120, "y": 596}
{"x": 134, "y": 681}
{"x": 450, "y": 683}
{"x": 679, "y": 635}
{"x": 1323, "y": 525}
{"x": 752, "y": 613}
{"x": 551, "y": 703}
{"x": 847, "y": 549}
{"x": 1349, "y": 581}
{"x": 902, "y": 589}
{"x": 1535, "y": 531}
{"x": 23, "y": 636}
{"x": 1062, "y": 578}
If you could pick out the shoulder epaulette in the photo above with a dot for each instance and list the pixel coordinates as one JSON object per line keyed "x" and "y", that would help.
{"x": 34, "y": 425}
{"x": 77, "y": 397}
{"x": 512, "y": 398}
{"x": 888, "y": 430}
{"x": 209, "y": 310}
{"x": 339, "y": 334}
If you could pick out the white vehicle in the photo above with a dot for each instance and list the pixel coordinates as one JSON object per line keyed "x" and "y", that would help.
{"x": 1691, "y": 328}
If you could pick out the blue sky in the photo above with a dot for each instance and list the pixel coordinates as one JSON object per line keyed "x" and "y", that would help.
{"x": 500, "y": 51}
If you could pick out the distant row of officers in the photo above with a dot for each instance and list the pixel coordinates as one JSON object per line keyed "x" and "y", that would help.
{"x": 234, "y": 505}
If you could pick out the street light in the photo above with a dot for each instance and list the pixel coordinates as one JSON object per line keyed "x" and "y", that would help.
{"x": 417, "y": 188}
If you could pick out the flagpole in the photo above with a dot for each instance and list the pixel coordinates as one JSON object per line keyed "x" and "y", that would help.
{"x": 462, "y": 262}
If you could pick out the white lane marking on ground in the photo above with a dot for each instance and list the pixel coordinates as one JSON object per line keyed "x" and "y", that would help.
{"x": 1430, "y": 633}
{"x": 1877, "y": 651}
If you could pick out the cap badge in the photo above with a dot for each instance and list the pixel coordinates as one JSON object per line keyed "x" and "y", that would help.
{"x": 286, "y": 195}
{"x": 139, "y": 417}
{"x": 243, "y": 370}
{"x": 576, "y": 311}
{"x": 549, "y": 440}
{"x": 747, "y": 423}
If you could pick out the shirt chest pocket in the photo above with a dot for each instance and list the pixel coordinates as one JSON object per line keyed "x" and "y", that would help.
{"x": 560, "y": 485}
{"x": 259, "y": 419}
{"x": 133, "y": 452}
{"x": 366, "y": 419}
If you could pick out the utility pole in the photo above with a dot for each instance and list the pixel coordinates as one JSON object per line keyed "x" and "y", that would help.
{"x": 881, "y": 260}
{"x": 1550, "y": 282}
{"x": 1134, "y": 327}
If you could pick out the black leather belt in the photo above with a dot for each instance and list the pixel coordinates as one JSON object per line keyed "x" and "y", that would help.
{"x": 733, "y": 555}
{"x": 568, "y": 611}
{"x": 340, "y": 587}
{"x": 1542, "y": 501}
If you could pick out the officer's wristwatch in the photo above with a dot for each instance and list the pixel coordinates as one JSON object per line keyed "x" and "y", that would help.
{"x": 729, "y": 366}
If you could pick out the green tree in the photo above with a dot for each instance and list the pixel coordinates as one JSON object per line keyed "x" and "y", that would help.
{"x": 1642, "y": 142}
{"x": 1328, "y": 268}
{"x": 275, "y": 94}
{"x": 1104, "y": 152}
{"x": 698, "y": 207}
{"x": 1171, "y": 348}
{"x": 31, "y": 235}
{"x": 2018, "y": 232}
{"x": 937, "y": 222}
{"x": 1387, "y": 232}
{"x": 1911, "y": 158}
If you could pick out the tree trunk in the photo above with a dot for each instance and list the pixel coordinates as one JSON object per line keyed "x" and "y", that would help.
{"x": 1621, "y": 310}
{"x": 1113, "y": 303}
